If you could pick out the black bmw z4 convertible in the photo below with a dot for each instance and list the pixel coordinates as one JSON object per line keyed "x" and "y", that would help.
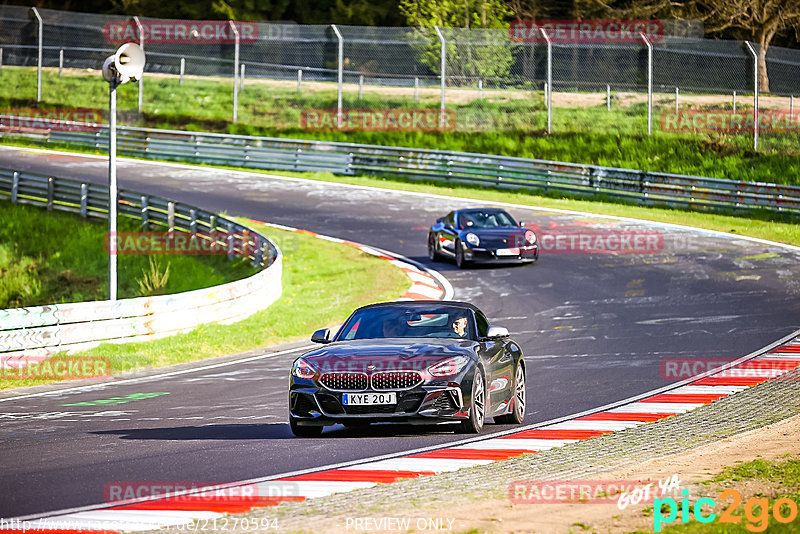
{"x": 427, "y": 362}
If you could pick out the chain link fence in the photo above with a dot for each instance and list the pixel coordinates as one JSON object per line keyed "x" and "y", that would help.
{"x": 475, "y": 79}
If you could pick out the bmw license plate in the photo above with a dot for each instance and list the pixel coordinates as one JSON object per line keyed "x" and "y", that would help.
{"x": 368, "y": 399}
{"x": 507, "y": 252}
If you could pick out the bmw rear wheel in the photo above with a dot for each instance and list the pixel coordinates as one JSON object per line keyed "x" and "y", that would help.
{"x": 517, "y": 415}
{"x": 477, "y": 406}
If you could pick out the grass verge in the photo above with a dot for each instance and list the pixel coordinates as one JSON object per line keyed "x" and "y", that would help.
{"x": 507, "y": 122}
{"x": 322, "y": 283}
{"x": 57, "y": 257}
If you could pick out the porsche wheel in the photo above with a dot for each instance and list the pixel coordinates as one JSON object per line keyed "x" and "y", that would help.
{"x": 460, "y": 261}
{"x": 517, "y": 415}
{"x": 433, "y": 253}
{"x": 477, "y": 406}
{"x": 304, "y": 431}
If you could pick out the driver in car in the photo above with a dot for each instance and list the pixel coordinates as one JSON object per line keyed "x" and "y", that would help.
{"x": 459, "y": 326}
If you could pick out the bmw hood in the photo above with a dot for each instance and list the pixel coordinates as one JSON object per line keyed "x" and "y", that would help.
{"x": 388, "y": 354}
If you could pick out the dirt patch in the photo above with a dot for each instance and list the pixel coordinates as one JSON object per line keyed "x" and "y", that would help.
{"x": 500, "y": 515}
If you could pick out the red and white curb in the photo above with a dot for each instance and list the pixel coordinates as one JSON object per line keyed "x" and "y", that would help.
{"x": 426, "y": 284}
{"x": 208, "y": 504}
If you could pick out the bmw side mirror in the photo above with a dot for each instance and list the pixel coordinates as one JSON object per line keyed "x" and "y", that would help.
{"x": 522, "y": 224}
{"x": 322, "y": 335}
{"x": 496, "y": 332}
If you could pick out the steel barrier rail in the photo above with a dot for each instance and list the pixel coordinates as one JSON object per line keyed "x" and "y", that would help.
{"x": 644, "y": 187}
{"x": 38, "y": 331}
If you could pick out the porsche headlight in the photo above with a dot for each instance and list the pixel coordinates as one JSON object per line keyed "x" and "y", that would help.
{"x": 530, "y": 237}
{"x": 472, "y": 239}
{"x": 448, "y": 367}
{"x": 303, "y": 369}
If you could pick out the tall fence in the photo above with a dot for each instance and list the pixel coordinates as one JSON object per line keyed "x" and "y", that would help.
{"x": 28, "y": 334}
{"x": 490, "y": 78}
{"x": 502, "y": 172}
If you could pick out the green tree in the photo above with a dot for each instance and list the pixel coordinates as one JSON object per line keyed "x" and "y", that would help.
{"x": 485, "y": 51}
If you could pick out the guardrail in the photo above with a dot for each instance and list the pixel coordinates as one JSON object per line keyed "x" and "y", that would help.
{"x": 647, "y": 188}
{"x": 39, "y": 331}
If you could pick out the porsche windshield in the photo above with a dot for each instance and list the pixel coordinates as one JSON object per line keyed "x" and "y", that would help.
{"x": 399, "y": 322}
{"x": 485, "y": 219}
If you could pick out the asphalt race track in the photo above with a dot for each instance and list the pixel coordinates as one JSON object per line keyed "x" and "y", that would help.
{"x": 595, "y": 328}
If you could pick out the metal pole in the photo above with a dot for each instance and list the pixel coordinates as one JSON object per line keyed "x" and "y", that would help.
{"x": 791, "y": 105}
{"x": 755, "y": 94}
{"x": 608, "y": 97}
{"x": 416, "y": 88}
{"x": 360, "y": 86}
{"x": 60, "y": 62}
{"x": 480, "y": 89}
{"x": 734, "y": 102}
{"x": 339, "y": 76}
{"x": 241, "y": 77}
{"x": 299, "y": 79}
{"x": 112, "y": 191}
{"x": 39, "y": 71}
{"x": 235, "y": 69}
{"x": 676, "y": 100}
{"x": 549, "y": 89}
{"x": 1, "y": 59}
{"x": 183, "y": 68}
{"x": 649, "y": 83}
{"x": 443, "y": 73}
{"x": 141, "y": 45}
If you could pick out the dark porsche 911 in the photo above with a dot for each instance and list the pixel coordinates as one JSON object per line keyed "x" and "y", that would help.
{"x": 414, "y": 362}
{"x": 481, "y": 235}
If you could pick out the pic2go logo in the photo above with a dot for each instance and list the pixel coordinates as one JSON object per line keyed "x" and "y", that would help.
{"x": 756, "y": 511}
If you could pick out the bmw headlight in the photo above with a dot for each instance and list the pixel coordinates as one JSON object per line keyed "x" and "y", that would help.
{"x": 303, "y": 369}
{"x": 530, "y": 238}
{"x": 449, "y": 366}
{"x": 472, "y": 239}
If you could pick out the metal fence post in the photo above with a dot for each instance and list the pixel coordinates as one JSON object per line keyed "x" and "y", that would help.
{"x": 170, "y": 217}
{"x": 1, "y": 59}
{"x": 734, "y": 103}
{"x": 755, "y": 93}
{"x": 791, "y": 105}
{"x": 299, "y": 79}
{"x": 60, "y": 62}
{"x": 235, "y": 69}
{"x": 360, "y": 86}
{"x": 39, "y": 70}
{"x": 84, "y": 200}
{"x": 443, "y": 73}
{"x": 649, "y": 83}
{"x": 549, "y": 90}
{"x": 145, "y": 213}
{"x": 480, "y": 89}
{"x": 676, "y": 100}
{"x": 112, "y": 191}
{"x": 339, "y": 74}
{"x": 416, "y": 89}
{"x": 14, "y": 187}
{"x": 183, "y": 68}
{"x": 241, "y": 77}
{"x": 608, "y": 97}
{"x": 141, "y": 45}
